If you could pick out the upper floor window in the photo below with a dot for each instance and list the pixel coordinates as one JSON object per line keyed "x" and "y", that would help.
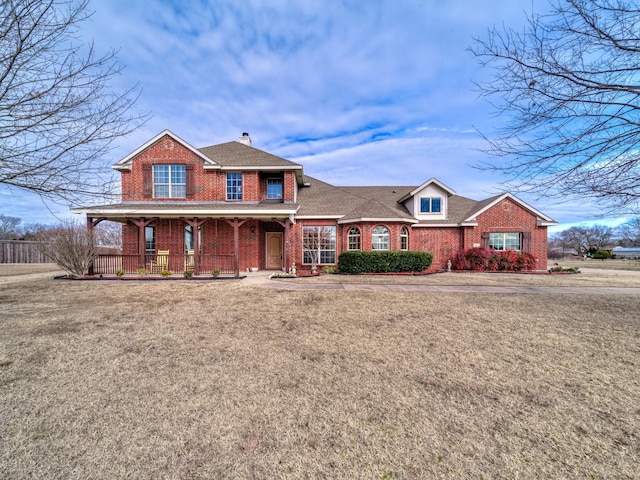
{"x": 380, "y": 238}
{"x": 505, "y": 241}
{"x": 274, "y": 188}
{"x": 404, "y": 239}
{"x": 430, "y": 205}
{"x": 234, "y": 186}
{"x": 353, "y": 239}
{"x": 169, "y": 181}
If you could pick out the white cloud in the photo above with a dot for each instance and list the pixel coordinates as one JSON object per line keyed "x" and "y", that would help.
{"x": 359, "y": 92}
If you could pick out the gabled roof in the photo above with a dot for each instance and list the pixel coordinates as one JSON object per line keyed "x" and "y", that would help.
{"x": 484, "y": 205}
{"x": 236, "y": 155}
{"x": 125, "y": 163}
{"x": 239, "y": 155}
{"x": 425, "y": 185}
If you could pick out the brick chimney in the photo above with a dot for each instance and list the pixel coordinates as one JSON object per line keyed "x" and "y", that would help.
{"x": 245, "y": 138}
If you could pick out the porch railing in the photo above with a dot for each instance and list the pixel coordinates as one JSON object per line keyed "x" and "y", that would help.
{"x": 175, "y": 263}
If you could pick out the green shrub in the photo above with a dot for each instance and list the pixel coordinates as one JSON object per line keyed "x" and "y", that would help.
{"x": 188, "y": 274}
{"x": 165, "y": 273}
{"x": 330, "y": 269}
{"x": 120, "y": 273}
{"x": 383, "y": 261}
{"x": 215, "y": 272}
{"x": 142, "y": 271}
{"x": 601, "y": 255}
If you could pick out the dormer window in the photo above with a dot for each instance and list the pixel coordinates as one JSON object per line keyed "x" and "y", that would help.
{"x": 169, "y": 181}
{"x": 430, "y": 205}
{"x": 274, "y": 188}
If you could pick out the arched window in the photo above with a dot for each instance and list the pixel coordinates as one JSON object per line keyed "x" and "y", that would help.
{"x": 353, "y": 238}
{"x": 404, "y": 239}
{"x": 380, "y": 238}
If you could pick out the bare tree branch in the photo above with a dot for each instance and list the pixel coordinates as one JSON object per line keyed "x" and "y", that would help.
{"x": 569, "y": 90}
{"x": 58, "y": 114}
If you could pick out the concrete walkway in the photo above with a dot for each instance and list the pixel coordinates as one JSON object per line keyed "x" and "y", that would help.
{"x": 262, "y": 279}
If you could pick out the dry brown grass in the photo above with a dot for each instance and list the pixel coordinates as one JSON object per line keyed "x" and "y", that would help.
{"x": 588, "y": 278}
{"x": 610, "y": 264}
{"x": 226, "y": 380}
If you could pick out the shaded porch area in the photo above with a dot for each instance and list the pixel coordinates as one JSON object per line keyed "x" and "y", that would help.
{"x": 198, "y": 245}
{"x": 174, "y": 263}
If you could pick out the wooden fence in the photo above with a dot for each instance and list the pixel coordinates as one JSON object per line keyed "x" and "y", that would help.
{"x": 21, "y": 251}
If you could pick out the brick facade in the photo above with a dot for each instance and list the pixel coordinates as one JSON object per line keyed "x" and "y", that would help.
{"x": 208, "y": 187}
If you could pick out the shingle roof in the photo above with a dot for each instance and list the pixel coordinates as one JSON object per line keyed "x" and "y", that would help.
{"x": 382, "y": 202}
{"x": 236, "y": 154}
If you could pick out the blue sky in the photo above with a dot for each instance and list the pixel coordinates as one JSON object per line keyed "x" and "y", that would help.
{"x": 360, "y": 93}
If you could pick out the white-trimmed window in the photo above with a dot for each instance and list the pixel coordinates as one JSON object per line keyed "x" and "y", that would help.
{"x": 319, "y": 245}
{"x": 404, "y": 239}
{"x": 274, "y": 188}
{"x": 234, "y": 186}
{"x": 189, "y": 243}
{"x": 430, "y": 205}
{"x": 380, "y": 238}
{"x": 150, "y": 240}
{"x": 353, "y": 239}
{"x": 169, "y": 181}
{"x": 505, "y": 241}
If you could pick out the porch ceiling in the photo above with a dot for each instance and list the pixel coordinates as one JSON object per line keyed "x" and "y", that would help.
{"x": 201, "y": 210}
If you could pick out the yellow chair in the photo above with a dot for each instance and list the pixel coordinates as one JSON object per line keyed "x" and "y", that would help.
{"x": 188, "y": 261}
{"x": 161, "y": 263}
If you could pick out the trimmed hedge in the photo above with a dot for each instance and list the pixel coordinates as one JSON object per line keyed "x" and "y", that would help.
{"x": 355, "y": 261}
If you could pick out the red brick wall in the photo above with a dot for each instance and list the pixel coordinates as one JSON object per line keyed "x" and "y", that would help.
{"x": 508, "y": 216}
{"x": 216, "y": 239}
{"x": 441, "y": 242}
{"x": 217, "y": 235}
{"x": 210, "y": 185}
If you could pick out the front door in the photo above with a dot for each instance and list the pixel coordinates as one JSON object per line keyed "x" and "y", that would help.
{"x": 274, "y": 251}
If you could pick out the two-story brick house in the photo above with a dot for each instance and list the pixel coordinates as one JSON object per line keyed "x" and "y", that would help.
{"x": 233, "y": 207}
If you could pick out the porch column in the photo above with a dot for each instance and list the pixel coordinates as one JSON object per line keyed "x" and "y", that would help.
{"x": 236, "y": 223}
{"x": 286, "y": 224}
{"x": 91, "y": 223}
{"x": 195, "y": 223}
{"x": 141, "y": 223}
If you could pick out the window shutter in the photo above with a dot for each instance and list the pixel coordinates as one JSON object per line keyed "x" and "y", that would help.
{"x": 526, "y": 242}
{"x": 191, "y": 188}
{"x": 485, "y": 240}
{"x": 147, "y": 181}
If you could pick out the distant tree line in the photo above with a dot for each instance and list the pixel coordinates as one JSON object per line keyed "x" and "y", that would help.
{"x": 589, "y": 240}
{"x": 11, "y": 228}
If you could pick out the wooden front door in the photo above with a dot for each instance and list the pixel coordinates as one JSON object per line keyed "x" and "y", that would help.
{"x": 274, "y": 251}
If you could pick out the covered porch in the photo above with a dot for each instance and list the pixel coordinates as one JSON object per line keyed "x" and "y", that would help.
{"x": 226, "y": 243}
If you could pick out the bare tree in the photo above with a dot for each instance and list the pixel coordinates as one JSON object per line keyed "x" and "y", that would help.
{"x": 58, "y": 114}
{"x": 584, "y": 240}
{"x": 569, "y": 87}
{"x": 630, "y": 232}
{"x": 109, "y": 234}
{"x": 71, "y": 246}
{"x": 9, "y": 227}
